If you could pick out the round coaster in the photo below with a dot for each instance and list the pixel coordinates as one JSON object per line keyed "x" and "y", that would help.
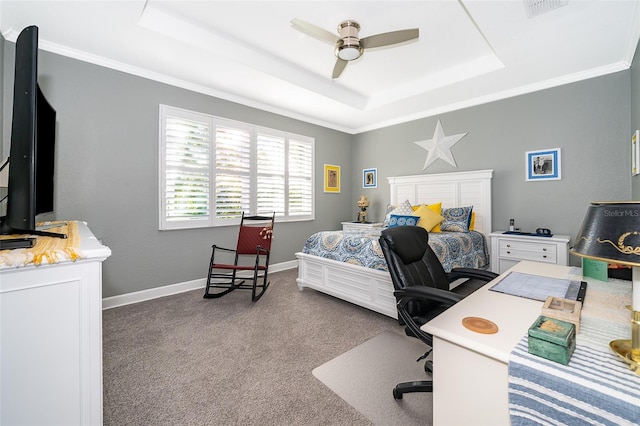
{"x": 480, "y": 325}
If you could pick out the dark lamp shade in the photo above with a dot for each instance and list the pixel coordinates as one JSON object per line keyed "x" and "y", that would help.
{"x": 610, "y": 232}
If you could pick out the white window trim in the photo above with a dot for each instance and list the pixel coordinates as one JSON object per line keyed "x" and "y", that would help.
{"x": 212, "y": 122}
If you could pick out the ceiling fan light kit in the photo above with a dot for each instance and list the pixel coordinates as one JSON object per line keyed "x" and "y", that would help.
{"x": 348, "y": 45}
{"x": 348, "y": 52}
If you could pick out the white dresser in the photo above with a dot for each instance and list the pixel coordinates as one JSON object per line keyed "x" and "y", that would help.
{"x": 51, "y": 339}
{"x": 509, "y": 249}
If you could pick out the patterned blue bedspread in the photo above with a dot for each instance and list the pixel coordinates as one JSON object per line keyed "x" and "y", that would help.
{"x": 454, "y": 249}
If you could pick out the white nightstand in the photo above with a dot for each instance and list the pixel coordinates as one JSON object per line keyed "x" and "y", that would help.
{"x": 362, "y": 228}
{"x": 509, "y": 249}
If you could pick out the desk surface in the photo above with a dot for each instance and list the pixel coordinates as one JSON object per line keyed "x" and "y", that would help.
{"x": 474, "y": 367}
{"x": 513, "y": 315}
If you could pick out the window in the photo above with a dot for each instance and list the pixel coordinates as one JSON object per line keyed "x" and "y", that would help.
{"x": 213, "y": 169}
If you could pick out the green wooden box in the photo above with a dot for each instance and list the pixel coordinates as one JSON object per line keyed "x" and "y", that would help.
{"x": 552, "y": 339}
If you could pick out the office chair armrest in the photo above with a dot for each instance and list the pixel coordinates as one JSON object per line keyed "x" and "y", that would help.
{"x": 428, "y": 293}
{"x": 408, "y": 294}
{"x": 479, "y": 274}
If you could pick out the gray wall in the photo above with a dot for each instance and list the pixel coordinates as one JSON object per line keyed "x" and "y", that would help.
{"x": 107, "y": 171}
{"x": 588, "y": 120}
{"x": 635, "y": 113}
{"x": 107, "y": 155}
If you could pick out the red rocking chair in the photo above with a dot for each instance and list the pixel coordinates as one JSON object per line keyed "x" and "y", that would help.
{"x": 250, "y": 260}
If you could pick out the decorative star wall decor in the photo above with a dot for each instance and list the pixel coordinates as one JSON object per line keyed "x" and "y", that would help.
{"x": 439, "y": 146}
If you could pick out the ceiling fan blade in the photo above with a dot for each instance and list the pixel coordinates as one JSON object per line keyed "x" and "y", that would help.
{"x": 340, "y": 65}
{"x": 314, "y": 31}
{"x": 387, "y": 39}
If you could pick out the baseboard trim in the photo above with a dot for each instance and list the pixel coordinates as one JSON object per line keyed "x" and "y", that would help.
{"x": 168, "y": 290}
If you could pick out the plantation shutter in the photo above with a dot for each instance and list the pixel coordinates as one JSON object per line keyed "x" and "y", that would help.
{"x": 233, "y": 172}
{"x": 213, "y": 169}
{"x": 186, "y": 169}
{"x": 270, "y": 174}
{"x": 300, "y": 178}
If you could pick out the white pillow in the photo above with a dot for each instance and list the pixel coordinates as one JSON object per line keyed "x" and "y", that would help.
{"x": 403, "y": 209}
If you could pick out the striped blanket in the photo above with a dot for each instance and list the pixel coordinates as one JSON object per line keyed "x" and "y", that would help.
{"x": 596, "y": 388}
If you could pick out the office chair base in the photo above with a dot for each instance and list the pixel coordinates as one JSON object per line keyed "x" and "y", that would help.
{"x": 410, "y": 387}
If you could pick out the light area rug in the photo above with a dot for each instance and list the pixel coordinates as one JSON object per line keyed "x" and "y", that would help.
{"x": 365, "y": 376}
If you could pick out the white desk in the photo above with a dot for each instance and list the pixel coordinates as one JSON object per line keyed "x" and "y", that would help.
{"x": 470, "y": 377}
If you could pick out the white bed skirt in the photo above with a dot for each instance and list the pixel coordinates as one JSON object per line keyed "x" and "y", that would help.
{"x": 366, "y": 287}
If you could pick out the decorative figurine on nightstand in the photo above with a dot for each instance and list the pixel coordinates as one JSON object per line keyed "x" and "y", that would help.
{"x": 363, "y": 203}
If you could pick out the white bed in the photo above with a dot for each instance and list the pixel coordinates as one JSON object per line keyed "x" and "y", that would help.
{"x": 371, "y": 288}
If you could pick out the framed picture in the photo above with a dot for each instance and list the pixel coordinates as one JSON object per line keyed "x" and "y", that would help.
{"x": 543, "y": 164}
{"x": 331, "y": 178}
{"x": 370, "y": 178}
{"x": 635, "y": 153}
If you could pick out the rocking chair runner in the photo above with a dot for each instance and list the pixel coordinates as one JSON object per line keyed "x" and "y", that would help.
{"x": 254, "y": 244}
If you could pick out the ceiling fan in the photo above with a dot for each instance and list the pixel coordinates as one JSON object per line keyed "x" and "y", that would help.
{"x": 348, "y": 46}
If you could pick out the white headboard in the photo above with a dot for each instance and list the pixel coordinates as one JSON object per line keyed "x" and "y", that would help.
{"x": 458, "y": 189}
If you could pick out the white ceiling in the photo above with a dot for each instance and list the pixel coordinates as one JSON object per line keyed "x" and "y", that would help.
{"x": 469, "y": 52}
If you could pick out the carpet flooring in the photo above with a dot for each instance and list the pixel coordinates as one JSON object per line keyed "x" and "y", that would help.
{"x": 185, "y": 360}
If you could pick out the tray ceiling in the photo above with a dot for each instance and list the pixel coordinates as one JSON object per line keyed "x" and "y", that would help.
{"x": 469, "y": 52}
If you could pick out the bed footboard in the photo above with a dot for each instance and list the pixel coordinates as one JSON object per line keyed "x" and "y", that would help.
{"x": 366, "y": 287}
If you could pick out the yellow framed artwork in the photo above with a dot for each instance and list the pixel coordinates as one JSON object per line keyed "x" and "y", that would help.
{"x": 331, "y": 178}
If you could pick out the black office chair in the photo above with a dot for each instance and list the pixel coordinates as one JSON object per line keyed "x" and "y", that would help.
{"x": 422, "y": 287}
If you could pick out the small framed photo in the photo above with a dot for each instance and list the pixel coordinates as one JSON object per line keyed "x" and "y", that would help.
{"x": 635, "y": 153}
{"x": 331, "y": 178}
{"x": 543, "y": 164}
{"x": 370, "y": 178}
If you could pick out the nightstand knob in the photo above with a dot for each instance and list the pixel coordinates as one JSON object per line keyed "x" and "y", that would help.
{"x": 508, "y": 245}
{"x": 508, "y": 252}
{"x": 544, "y": 256}
{"x": 544, "y": 249}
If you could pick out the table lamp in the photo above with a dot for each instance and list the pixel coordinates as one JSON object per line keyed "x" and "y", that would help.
{"x": 610, "y": 232}
{"x": 363, "y": 203}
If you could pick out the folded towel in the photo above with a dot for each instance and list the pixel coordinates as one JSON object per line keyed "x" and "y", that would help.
{"x": 49, "y": 249}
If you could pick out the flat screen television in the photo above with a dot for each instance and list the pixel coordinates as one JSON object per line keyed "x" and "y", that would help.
{"x": 31, "y": 155}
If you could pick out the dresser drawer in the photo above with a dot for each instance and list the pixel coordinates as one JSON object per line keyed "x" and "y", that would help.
{"x": 527, "y": 250}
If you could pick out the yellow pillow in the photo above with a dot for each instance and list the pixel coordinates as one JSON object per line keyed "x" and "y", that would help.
{"x": 437, "y": 208}
{"x": 428, "y": 218}
{"x": 472, "y": 221}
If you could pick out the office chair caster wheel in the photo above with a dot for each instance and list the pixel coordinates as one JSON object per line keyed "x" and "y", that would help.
{"x": 428, "y": 367}
{"x": 396, "y": 394}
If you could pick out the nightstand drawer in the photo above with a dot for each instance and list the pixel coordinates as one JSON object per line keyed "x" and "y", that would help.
{"x": 528, "y": 250}
{"x": 539, "y": 254}
{"x": 507, "y": 250}
{"x": 362, "y": 228}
